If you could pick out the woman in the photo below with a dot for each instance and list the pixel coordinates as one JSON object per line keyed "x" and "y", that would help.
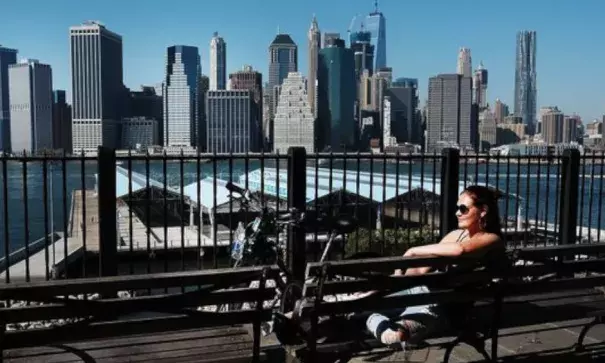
{"x": 479, "y": 234}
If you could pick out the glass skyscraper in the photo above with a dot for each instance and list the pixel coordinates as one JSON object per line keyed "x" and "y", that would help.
{"x": 7, "y": 57}
{"x": 525, "y": 79}
{"x": 336, "y": 129}
{"x": 375, "y": 23}
{"x": 182, "y": 98}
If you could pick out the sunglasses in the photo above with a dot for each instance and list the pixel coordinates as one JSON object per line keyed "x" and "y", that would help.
{"x": 463, "y": 209}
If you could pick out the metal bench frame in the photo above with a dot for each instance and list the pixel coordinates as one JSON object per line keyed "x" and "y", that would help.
{"x": 99, "y": 318}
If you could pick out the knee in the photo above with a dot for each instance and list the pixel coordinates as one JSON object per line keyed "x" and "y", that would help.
{"x": 374, "y": 319}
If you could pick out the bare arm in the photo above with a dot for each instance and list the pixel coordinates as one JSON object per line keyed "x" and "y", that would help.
{"x": 448, "y": 248}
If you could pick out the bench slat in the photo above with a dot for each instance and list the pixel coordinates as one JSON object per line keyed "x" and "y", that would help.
{"x": 116, "y": 307}
{"x": 40, "y": 337}
{"x": 132, "y": 282}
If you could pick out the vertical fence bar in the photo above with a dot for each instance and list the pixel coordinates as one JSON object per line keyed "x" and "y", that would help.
{"x": 148, "y": 211}
{"x": 569, "y": 196}
{"x": 182, "y": 217}
{"x": 546, "y": 208}
{"x": 590, "y": 198}
{"x": 165, "y": 204}
{"x": 383, "y": 205}
{"x": 582, "y": 191}
{"x": 450, "y": 165}
{"x": 47, "y": 240}
{"x": 357, "y": 198}
{"x": 200, "y": 224}
{"x": 600, "y": 210}
{"x": 297, "y": 190}
{"x": 108, "y": 236}
{"x": 422, "y": 201}
{"x": 397, "y": 202}
{"x": 518, "y": 199}
{"x": 538, "y": 199}
{"x": 65, "y": 213}
{"x": 434, "y": 190}
{"x": 130, "y": 226}
{"x": 83, "y": 188}
{"x": 26, "y": 217}
{"x": 6, "y": 219}
{"x": 527, "y": 200}
{"x": 213, "y": 213}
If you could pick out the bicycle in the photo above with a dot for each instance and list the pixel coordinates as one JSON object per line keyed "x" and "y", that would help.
{"x": 259, "y": 243}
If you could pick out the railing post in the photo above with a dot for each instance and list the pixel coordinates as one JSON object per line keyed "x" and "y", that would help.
{"x": 568, "y": 207}
{"x": 297, "y": 198}
{"x": 108, "y": 234}
{"x": 450, "y": 168}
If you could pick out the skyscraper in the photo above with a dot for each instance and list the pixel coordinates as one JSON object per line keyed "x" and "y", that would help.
{"x": 480, "y": 86}
{"x": 449, "y": 119}
{"x": 31, "y": 106}
{"x": 363, "y": 50}
{"x": 294, "y": 121}
{"x": 218, "y": 63}
{"x": 249, "y": 79}
{"x": 233, "y": 125}
{"x": 97, "y": 86}
{"x": 283, "y": 59}
{"x": 7, "y": 57}
{"x": 313, "y": 45}
{"x": 500, "y": 111}
{"x": 182, "y": 98}
{"x": 337, "y": 94}
{"x": 376, "y": 24}
{"x": 465, "y": 64}
{"x": 406, "y": 126}
{"x": 525, "y": 79}
{"x": 62, "y": 138}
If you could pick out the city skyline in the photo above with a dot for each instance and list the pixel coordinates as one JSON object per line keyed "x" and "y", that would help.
{"x": 492, "y": 42}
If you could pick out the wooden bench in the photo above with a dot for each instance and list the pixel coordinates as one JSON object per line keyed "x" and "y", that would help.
{"x": 174, "y": 309}
{"x": 484, "y": 289}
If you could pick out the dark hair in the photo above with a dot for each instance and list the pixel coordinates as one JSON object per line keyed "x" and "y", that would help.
{"x": 488, "y": 198}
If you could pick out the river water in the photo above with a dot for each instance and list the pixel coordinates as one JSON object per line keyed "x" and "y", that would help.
{"x": 538, "y": 185}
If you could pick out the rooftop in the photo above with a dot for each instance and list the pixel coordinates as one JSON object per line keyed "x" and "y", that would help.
{"x": 283, "y": 39}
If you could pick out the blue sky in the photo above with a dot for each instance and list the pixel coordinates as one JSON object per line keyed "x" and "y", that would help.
{"x": 422, "y": 37}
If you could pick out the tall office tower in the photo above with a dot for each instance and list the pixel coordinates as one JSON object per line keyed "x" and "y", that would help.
{"x": 327, "y": 37}
{"x": 294, "y": 120}
{"x": 97, "y": 88}
{"x": 465, "y": 63}
{"x": 375, "y": 23}
{"x": 570, "y": 131}
{"x": 487, "y": 130}
{"x": 7, "y": 57}
{"x": 218, "y": 63}
{"x": 62, "y": 137}
{"x": 183, "y": 98}
{"x": 406, "y": 125}
{"x": 500, "y": 111}
{"x": 313, "y": 46}
{"x": 249, "y": 79}
{"x": 337, "y": 95}
{"x": 480, "y": 86}
{"x": 233, "y": 125}
{"x": 283, "y": 59}
{"x": 449, "y": 119}
{"x": 31, "y": 106}
{"x": 525, "y": 79}
{"x": 363, "y": 50}
{"x": 552, "y": 124}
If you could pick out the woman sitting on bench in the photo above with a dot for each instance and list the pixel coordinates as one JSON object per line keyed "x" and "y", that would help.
{"x": 479, "y": 234}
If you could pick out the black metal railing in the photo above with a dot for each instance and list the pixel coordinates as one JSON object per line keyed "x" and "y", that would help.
{"x": 129, "y": 214}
